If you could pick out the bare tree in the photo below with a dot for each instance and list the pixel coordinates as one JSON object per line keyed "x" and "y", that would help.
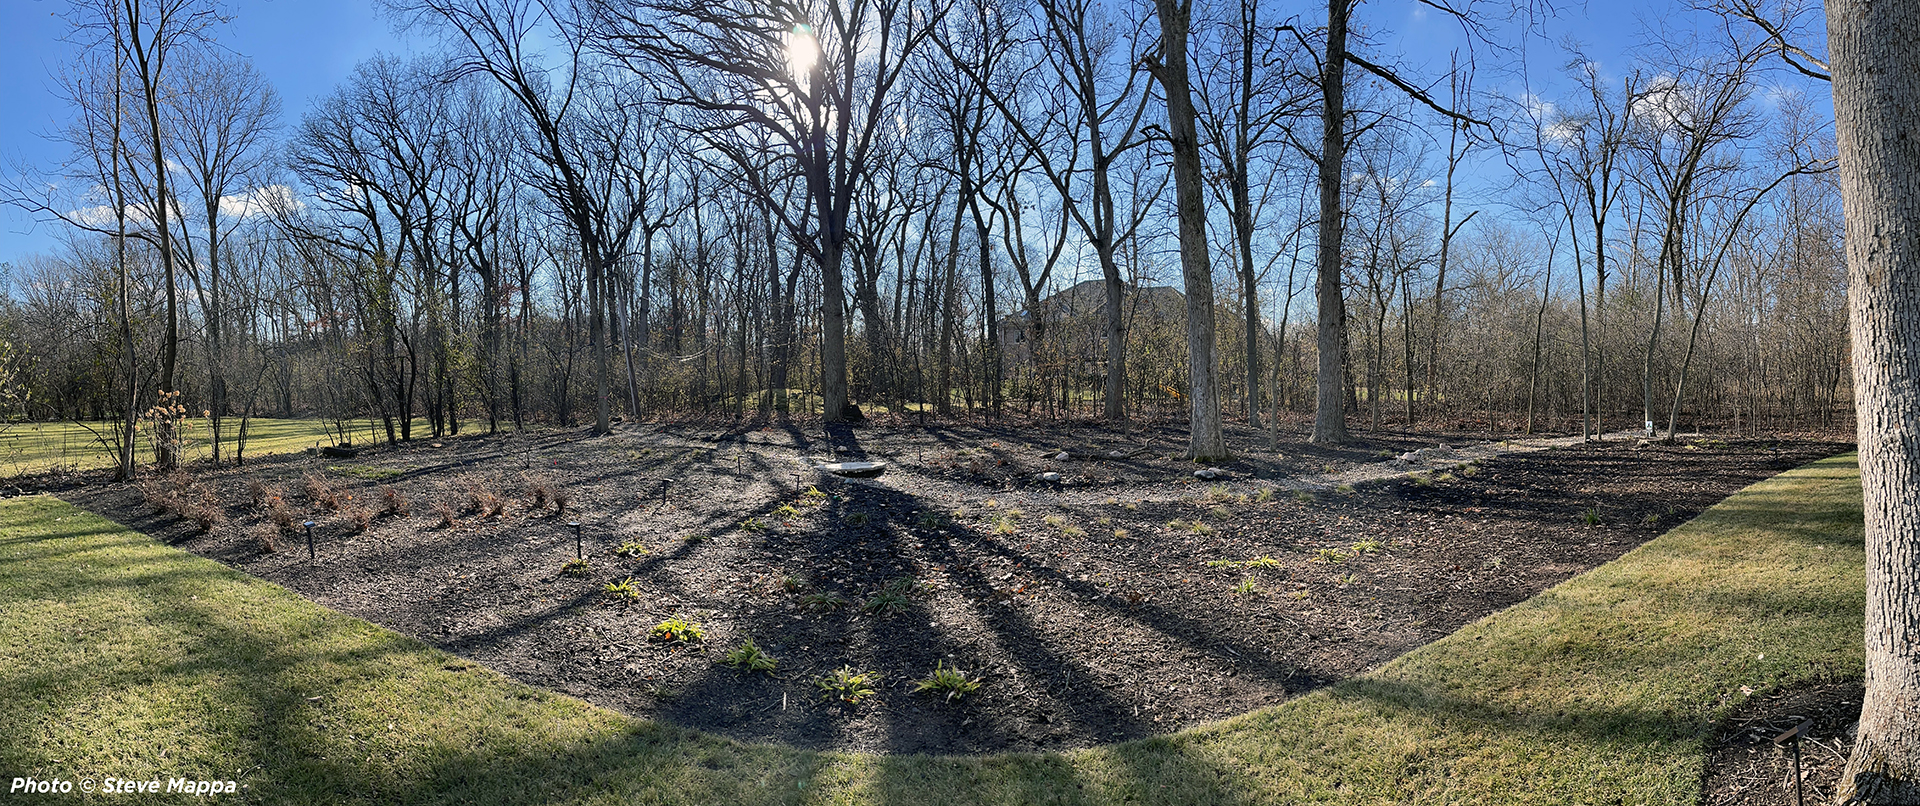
{"x": 818, "y": 78}
{"x": 1206, "y": 440}
{"x": 221, "y": 129}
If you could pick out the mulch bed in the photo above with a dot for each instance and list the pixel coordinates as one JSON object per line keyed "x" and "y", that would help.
{"x": 1745, "y": 767}
{"x": 1120, "y": 603}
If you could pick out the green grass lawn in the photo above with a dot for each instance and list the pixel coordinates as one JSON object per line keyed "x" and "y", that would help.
{"x": 122, "y": 657}
{"x": 39, "y": 447}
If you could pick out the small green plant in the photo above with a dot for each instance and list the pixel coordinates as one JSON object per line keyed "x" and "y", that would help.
{"x": 1300, "y": 594}
{"x": 677, "y": 630}
{"x": 753, "y": 525}
{"x": 856, "y": 519}
{"x": 1199, "y": 528}
{"x": 1003, "y": 524}
{"x": 1443, "y": 476}
{"x": 1121, "y": 533}
{"x": 1591, "y": 516}
{"x": 1257, "y": 562}
{"x": 1330, "y": 556}
{"x": 1246, "y": 586}
{"x": 1054, "y": 521}
{"x": 824, "y": 601}
{"x": 694, "y": 538}
{"x": 1071, "y": 530}
{"x": 1422, "y": 480}
{"x": 846, "y": 685}
{"x": 1219, "y": 513}
{"x": 1265, "y": 495}
{"x": 632, "y": 548}
{"x": 930, "y": 520}
{"x": 792, "y": 584}
{"x": 954, "y": 682}
{"x": 748, "y": 657}
{"x": 786, "y": 512}
{"x": 576, "y": 568}
{"x": 623, "y": 591}
{"x": 1346, "y": 579}
{"x": 1366, "y": 546}
{"x": 1344, "y": 489}
{"x": 1303, "y": 496}
{"x": 1470, "y": 470}
{"x": 1494, "y": 563}
{"x": 1218, "y": 493}
{"x": 893, "y": 597}
{"x": 886, "y": 603}
{"x": 813, "y": 497}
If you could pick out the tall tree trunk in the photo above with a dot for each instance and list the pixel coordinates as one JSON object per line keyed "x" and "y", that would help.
{"x": 1876, "y": 110}
{"x": 1206, "y": 440}
{"x": 148, "y": 62}
{"x": 1330, "y": 413}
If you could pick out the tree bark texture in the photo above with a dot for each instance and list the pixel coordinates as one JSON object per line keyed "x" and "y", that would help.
{"x": 1876, "y": 99}
{"x": 1206, "y": 441}
{"x": 1330, "y": 413}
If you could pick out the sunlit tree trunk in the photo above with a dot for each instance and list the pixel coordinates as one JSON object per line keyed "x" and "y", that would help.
{"x": 1876, "y": 101}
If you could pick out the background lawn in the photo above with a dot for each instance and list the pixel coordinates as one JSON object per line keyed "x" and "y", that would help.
{"x": 122, "y": 657}
{"x": 38, "y": 447}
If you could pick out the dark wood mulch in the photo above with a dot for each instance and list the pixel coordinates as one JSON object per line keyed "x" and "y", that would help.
{"x": 1104, "y": 609}
{"x": 1746, "y": 768}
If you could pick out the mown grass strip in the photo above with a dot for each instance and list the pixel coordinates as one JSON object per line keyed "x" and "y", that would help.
{"x": 122, "y": 657}
{"x": 38, "y": 447}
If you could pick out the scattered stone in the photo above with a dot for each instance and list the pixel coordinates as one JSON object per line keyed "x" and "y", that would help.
{"x": 1063, "y": 456}
{"x": 1208, "y": 474}
{"x": 1049, "y": 477}
{"x": 853, "y": 470}
{"x": 1409, "y": 456}
{"x": 1116, "y": 454}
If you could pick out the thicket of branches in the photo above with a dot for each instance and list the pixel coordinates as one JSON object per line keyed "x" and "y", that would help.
{"x": 602, "y": 208}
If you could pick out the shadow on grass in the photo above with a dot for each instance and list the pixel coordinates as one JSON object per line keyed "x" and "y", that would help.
{"x": 129, "y": 658}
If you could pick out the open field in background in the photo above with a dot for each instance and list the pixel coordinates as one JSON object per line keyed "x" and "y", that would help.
{"x": 123, "y": 657}
{"x": 27, "y": 448}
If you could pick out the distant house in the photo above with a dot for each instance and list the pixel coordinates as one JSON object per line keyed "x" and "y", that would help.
{"x": 1074, "y": 320}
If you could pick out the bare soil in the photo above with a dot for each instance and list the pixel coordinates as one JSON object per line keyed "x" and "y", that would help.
{"x": 1115, "y": 603}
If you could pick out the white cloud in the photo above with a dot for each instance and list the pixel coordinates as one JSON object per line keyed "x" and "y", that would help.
{"x": 100, "y": 216}
{"x": 263, "y": 200}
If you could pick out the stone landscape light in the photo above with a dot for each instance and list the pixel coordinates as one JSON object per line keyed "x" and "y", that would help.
{"x": 579, "y": 552}
{"x": 309, "y": 526}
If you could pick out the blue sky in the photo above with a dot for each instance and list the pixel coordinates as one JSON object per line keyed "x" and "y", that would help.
{"x": 307, "y": 47}
{"x": 304, "y": 47}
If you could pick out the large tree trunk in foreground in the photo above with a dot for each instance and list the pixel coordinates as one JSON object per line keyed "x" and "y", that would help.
{"x": 1876, "y": 100}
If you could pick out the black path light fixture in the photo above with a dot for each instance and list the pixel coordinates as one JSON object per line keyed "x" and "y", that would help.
{"x": 309, "y": 527}
{"x": 1792, "y": 737}
{"x": 579, "y": 551}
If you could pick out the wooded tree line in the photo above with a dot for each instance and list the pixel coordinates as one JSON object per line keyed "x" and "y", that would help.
{"x": 576, "y": 211}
